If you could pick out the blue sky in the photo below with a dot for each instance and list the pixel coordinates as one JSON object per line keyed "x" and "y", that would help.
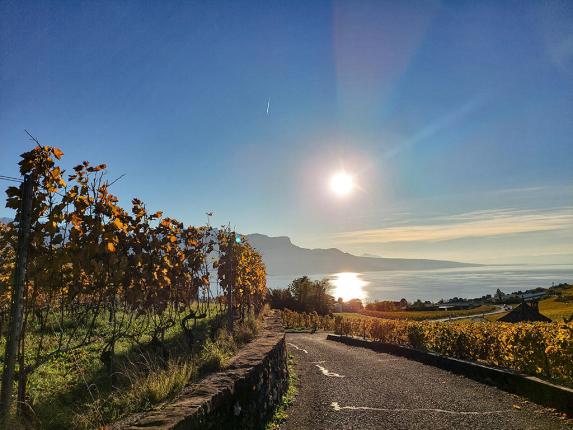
{"x": 455, "y": 118}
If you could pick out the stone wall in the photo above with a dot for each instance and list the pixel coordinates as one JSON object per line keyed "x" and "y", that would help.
{"x": 240, "y": 397}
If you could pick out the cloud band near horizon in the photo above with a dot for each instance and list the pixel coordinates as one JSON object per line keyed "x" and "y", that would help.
{"x": 466, "y": 225}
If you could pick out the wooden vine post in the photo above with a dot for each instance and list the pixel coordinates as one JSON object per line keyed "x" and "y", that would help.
{"x": 230, "y": 284}
{"x": 17, "y": 306}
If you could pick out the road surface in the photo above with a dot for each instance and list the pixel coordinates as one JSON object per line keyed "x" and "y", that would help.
{"x": 345, "y": 387}
{"x": 499, "y": 310}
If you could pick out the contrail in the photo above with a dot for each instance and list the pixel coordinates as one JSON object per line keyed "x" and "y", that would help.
{"x": 268, "y": 105}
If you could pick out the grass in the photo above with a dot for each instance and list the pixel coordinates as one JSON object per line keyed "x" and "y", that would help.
{"x": 217, "y": 353}
{"x": 280, "y": 414}
{"x": 558, "y": 310}
{"x": 74, "y": 389}
{"x": 493, "y": 317}
{"x": 143, "y": 392}
{"x": 162, "y": 383}
{"x": 420, "y": 315}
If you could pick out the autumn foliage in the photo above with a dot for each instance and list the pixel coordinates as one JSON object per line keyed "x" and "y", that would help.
{"x": 539, "y": 349}
{"x": 99, "y": 271}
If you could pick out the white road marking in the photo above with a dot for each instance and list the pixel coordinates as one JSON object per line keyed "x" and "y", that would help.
{"x": 298, "y": 348}
{"x": 337, "y": 407}
{"x": 327, "y": 372}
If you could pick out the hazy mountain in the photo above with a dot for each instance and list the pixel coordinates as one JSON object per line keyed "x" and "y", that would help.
{"x": 5, "y": 220}
{"x": 282, "y": 257}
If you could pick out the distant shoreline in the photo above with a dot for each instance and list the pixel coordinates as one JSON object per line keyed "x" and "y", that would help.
{"x": 436, "y": 284}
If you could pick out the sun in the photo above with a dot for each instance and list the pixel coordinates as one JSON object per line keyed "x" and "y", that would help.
{"x": 342, "y": 184}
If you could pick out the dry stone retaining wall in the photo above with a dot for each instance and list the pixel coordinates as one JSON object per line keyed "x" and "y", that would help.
{"x": 240, "y": 397}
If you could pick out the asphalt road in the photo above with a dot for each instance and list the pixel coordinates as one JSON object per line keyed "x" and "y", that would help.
{"x": 499, "y": 310}
{"x": 345, "y": 387}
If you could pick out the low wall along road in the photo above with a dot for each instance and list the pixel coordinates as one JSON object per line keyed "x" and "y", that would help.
{"x": 242, "y": 396}
{"x": 534, "y": 389}
{"x": 347, "y": 387}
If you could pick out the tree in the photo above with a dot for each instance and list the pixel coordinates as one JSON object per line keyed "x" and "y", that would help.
{"x": 418, "y": 304}
{"x": 281, "y": 298}
{"x": 304, "y": 295}
{"x": 312, "y": 296}
{"x": 354, "y": 305}
{"x": 383, "y": 306}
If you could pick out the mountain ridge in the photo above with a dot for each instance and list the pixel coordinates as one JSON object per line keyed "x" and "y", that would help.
{"x": 282, "y": 257}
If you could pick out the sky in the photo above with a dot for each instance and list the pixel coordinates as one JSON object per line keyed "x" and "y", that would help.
{"x": 455, "y": 119}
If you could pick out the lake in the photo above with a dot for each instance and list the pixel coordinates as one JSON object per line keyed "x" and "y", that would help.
{"x": 433, "y": 285}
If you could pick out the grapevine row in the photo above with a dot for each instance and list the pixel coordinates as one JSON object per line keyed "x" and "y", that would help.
{"x": 538, "y": 349}
{"x": 97, "y": 272}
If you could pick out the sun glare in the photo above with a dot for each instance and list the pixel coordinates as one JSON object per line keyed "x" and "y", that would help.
{"x": 348, "y": 285}
{"x": 342, "y": 184}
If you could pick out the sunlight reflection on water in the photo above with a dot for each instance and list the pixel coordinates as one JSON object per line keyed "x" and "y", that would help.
{"x": 436, "y": 284}
{"x": 348, "y": 285}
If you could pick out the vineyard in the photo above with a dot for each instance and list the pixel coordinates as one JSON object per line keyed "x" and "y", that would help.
{"x": 421, "y": 315}
{"x": 539, "y": 349}
{"x": 120, "y": 308}
{"x": 555, "y": 307}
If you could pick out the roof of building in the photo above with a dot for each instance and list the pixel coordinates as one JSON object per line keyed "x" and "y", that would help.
{"x": 525, "y": 311}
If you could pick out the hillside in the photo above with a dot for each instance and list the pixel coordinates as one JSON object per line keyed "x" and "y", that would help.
{"x": 282, "y": 257}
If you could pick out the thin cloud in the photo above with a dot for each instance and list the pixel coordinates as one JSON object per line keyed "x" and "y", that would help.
{"x": 467, "y": 225}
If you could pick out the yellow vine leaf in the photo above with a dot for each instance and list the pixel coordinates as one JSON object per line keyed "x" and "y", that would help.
{"x": 117, "y": 222}
{"x": 110, "y": 247}
{"x": 57, "y": 153}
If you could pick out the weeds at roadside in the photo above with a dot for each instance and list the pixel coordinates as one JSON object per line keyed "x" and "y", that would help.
{"x": 280, "y": 414}
{"x": 151, "y": 382}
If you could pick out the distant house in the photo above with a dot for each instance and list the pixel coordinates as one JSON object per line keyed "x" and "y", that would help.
{"x": 525, "y": 312}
